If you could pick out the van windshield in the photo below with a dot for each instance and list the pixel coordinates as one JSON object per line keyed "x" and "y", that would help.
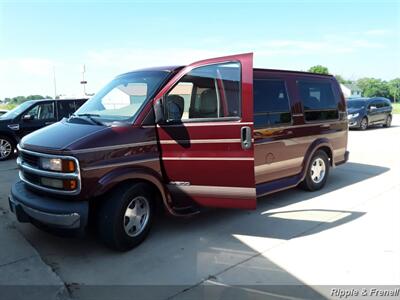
{"x": 17, "y": 110}
{"x": 123, "y": 97}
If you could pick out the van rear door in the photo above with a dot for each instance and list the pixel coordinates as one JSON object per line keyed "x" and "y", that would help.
{"x": 206, "y": 142}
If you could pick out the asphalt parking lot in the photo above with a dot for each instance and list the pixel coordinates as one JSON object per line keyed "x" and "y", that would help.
{"x": 346, "y": 234}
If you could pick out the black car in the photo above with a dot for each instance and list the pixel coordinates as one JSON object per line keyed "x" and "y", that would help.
{"x": 30, "y": 116}
{"x": 364, "y": 112}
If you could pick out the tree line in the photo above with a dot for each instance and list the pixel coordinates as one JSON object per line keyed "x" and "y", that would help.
{"x": 20, "y": 99}
{"x": 370, "y": 87}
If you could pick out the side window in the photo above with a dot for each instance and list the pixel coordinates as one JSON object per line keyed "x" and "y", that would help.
{"x": 65, "y": 108}
{"x": 271, "y": 103}
{"x": 373, "y": 105}
{"x": 206, "y": 92}
{"x": 319, "y": 101}
{"x": 43, "y": 111}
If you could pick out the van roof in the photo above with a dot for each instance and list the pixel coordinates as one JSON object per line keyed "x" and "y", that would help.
{"x": 176, "y": 68}
{"x": 292, "y": 72}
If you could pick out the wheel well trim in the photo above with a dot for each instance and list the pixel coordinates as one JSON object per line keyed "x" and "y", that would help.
{"x": 118, "y": 176}
{"x": 320, "y": 144}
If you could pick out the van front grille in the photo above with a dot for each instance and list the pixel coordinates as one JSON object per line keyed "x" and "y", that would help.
{"x": 30, "y": 159}
{"x": 31, "y": 173}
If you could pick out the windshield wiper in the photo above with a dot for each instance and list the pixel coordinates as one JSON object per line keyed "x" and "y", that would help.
{"x": 90, "y": 117}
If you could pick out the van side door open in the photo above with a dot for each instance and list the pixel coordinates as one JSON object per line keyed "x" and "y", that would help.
{"x": 206, "y": 139}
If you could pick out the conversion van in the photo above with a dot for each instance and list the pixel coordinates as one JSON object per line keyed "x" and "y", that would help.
{"x": 215, "y": 133}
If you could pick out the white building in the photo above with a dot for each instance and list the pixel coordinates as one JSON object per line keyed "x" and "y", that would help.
{"x": 350, "y": 90}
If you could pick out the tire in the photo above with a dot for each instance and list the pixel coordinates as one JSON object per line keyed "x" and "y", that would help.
{"x": 7, "y": 148}
{"x": 119, "y": 228}
{"x": 364, "y": 123}
{"x": 312, "y": 182}
{"x": 388, "y": 122}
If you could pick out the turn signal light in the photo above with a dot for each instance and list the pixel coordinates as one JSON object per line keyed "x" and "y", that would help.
{"x": 70, "y": 184}
{"x": 68, "y": 166}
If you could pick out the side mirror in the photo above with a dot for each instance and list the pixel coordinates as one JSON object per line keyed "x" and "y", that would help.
{"x": 159, "y": 112}
{"x": 28, "y": 117}
{"x": 372, "y": 107}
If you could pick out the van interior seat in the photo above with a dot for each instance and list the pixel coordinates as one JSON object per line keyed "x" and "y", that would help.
{"x": 208, "y": 105}
{"x": 46, "y": 112}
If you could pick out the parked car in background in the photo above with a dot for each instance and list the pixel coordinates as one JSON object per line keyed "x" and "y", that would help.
{"x": 3, "y": 111}
{"x": 30, "y": 116}
{"x": 365, "y": 112}
{"x": 216, "y": 133}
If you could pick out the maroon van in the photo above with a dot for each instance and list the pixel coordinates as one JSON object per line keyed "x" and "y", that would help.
{"x": 215, "y": 133}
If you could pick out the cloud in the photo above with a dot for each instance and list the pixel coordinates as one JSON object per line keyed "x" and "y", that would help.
{"x": 126, "y": 58}
{"x": 28, "y": 66}
{"x": 328, "y": 45}
{"x": 377, "y": 32}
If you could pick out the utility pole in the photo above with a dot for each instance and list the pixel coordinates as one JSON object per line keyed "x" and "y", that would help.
{"x": 54, "y": 82}
{"x": 83, "y": 81}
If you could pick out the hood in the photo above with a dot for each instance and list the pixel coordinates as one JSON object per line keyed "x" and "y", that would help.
{"x": 59, "y": 136}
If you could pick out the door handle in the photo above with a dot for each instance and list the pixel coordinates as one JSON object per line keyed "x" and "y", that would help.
{"x": 245, "y": 137}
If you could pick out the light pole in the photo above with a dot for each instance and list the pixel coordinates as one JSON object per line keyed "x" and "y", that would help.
{"x": 83, "y": 81}
{"x": 54, "y": 82}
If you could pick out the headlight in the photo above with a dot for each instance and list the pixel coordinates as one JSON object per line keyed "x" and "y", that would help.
{"x": 352, "y": 116}
{"x": 57, "y": 164}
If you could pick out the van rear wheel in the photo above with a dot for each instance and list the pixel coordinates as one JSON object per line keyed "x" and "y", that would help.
{"x": 317, "y": 172}
{"x": 125, "y": 217}
{"x": 388, "y": 122}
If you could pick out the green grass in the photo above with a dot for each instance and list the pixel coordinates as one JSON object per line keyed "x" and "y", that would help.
{"x": 396, "y": 108}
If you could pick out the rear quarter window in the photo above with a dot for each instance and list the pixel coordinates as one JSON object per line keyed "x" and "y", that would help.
{"x": 318, "y": 99}
{"x": 271, "y": 103}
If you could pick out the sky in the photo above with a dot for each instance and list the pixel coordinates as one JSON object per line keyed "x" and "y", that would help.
{"x": 40, "y": 39}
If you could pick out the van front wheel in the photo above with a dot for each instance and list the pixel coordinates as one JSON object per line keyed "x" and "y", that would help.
{"x": 317, "y": 172}
{"x": 125, "y": 216}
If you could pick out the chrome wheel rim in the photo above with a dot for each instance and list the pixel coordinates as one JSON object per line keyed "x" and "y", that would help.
{"x": 318, "y": 170}
{"x": 136, "y": 216}
{"x": 364, "y": 124}
{"x": 5, "y": 148}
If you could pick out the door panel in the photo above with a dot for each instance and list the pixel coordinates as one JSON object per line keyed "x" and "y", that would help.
{"x": 43, "y": 114}
{"x": 203, "y": 158}
{"x": 373, "y": 112}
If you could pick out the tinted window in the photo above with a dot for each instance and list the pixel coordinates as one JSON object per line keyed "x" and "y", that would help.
{"x": 271, "y": 103}
{"x": 373, "y": 105}
{"x": 65, "y": 108}
{"x": 206, "y": 92}
{"x": 79, "y": 103}
{"x": 43, "y": 111}
{"x": 318, "y": 100}
{"x": 355, "y": 104}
